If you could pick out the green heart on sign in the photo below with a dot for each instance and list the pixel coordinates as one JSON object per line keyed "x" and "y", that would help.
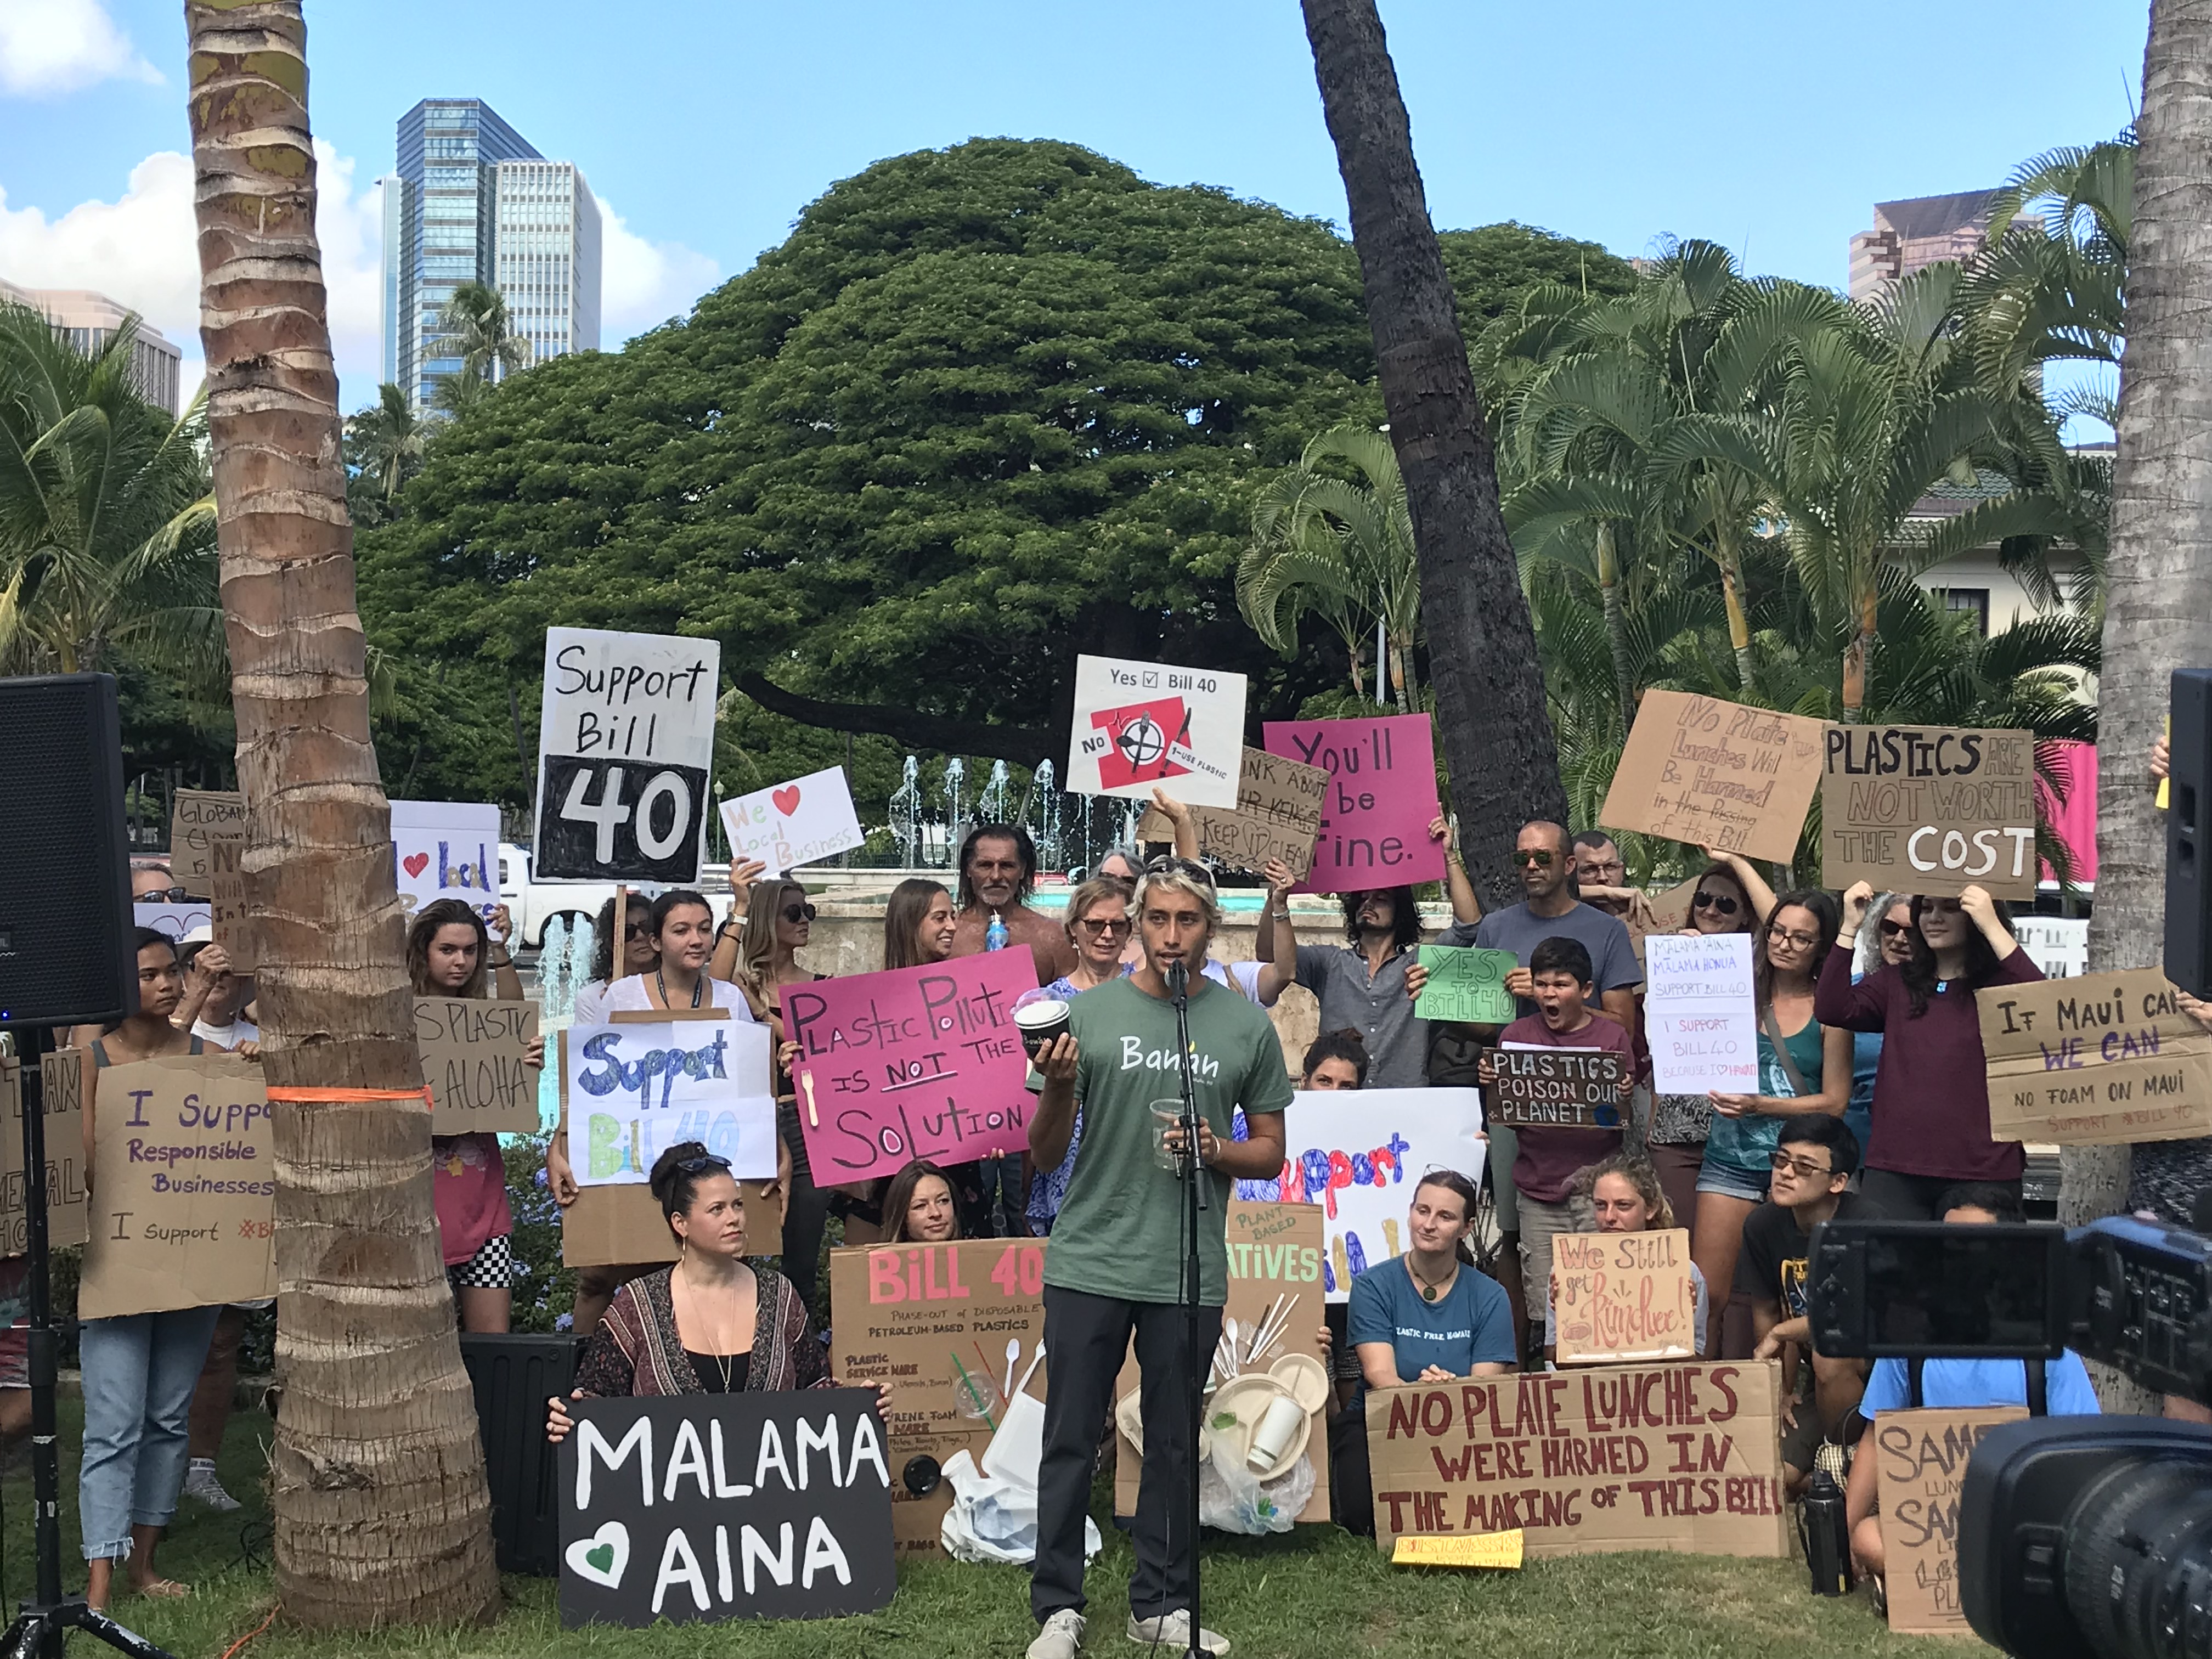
{"x": 602, "y": 1557}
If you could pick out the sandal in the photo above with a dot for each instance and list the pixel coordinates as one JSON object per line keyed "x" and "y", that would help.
{"x": 165, "y": 1589}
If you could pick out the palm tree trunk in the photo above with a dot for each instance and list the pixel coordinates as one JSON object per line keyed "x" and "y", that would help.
{"x": 1739, "y": 625}
{"x": 382, "y": 1515}
{"x": 1616, "y": 622}
{"x": 1496, "y": 730}
{"x": 1856, "y": 653}
{"x": 2158, "y": 612}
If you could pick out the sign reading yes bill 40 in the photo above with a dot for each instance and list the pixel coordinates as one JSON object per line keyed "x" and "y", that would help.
{"x": 625, "y": 741}
{"x": 1142, "y": 725}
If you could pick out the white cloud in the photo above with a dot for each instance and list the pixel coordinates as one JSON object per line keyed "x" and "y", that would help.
{"x": 48, "y": 47}
{"x": 642, "y": 284}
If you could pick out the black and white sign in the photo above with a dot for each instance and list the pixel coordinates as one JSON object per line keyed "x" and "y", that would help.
{"x": 625, "y": 741}
{"x": 708, "y": 1506}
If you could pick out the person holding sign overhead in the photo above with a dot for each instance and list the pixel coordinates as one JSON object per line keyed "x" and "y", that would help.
{"x": 1931, "y": 1092}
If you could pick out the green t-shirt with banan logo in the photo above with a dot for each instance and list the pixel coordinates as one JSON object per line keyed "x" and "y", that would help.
{"x": 1119, "y": 1230}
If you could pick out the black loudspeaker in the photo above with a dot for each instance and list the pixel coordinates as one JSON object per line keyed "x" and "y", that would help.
{"x": 2189, "y": 833}
{"x": 65, "y": 951}
{"x": 513, "y": 1376}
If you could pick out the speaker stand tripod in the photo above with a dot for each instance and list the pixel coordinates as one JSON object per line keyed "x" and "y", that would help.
{"x": 43, "y": 1622}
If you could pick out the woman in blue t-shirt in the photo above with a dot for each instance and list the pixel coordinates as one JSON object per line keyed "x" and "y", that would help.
{"x": 1425, "y": 1316}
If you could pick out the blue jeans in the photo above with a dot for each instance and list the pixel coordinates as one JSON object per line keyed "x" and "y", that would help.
{"x": 140, "y": 1370}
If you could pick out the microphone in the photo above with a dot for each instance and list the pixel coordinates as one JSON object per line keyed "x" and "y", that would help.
{"x": 1178, "y": 978}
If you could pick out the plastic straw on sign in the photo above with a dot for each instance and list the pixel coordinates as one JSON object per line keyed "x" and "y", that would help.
{"x": 1266, "y": 1326}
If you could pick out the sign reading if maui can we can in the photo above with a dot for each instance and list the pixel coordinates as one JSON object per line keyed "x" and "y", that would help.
{"x": 1140, "y": 725}
{"x": 913, "y": 1062}
{"x": 625, "y": 740}
{"x": 633, "y": 1089}
{"x": 2094, "y": 1062}
{"x": 1930, "y": 809}
{"x": 1380, "y": 799}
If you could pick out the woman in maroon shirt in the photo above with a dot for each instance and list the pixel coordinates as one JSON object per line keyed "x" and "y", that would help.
{"x": 1931, "y": 1095}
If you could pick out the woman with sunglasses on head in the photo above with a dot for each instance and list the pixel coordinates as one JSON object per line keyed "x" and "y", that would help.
{"x": 1931, "y": 1096}
{"x": 1100, "y": 928}
{"x": 1675, "y": 1141}
{"x": 1804, "y": 1067}
{"x": 713, "y": 1323}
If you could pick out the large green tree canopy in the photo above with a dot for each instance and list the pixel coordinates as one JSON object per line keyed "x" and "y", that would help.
{"x": 987, "y": 408}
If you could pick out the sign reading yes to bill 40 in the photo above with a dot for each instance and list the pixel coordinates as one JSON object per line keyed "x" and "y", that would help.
{"x": 1142, "y": 725}
{"x": 625, "y": 740}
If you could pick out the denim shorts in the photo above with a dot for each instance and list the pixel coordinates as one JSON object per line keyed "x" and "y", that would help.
{"x": 1732, "y": 1183}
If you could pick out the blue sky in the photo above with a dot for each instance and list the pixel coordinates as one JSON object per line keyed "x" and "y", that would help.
{"x": 708, "y": 126}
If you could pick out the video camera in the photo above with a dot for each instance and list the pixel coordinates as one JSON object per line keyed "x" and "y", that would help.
{"x": 2077, "y": 1535}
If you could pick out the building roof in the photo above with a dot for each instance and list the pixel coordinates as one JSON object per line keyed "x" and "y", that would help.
{"x": 1935, "y": 215}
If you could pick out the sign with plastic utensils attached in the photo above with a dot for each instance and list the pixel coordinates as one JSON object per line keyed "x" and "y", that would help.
{"x": 2094, "y": 1062}
{"x": 625, "y": 741}
{"x": 911, "y": 1062}
{"x": 444, "y": 849}
{"x": 1930, "y": 809}
{"x": 1145, "y": 725}
{"x": 635, "y": 1088}
{"x": 1697, "y": 1014}
{"x": 793, "y": 823}
{"x": 710, "y": 1506}
{"x": 1717, "y": 775}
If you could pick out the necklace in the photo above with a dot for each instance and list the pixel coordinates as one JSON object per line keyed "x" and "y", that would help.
{"x": 698, "y": 986}
{"x": 724, "y": 1362}
{"x": 1430, "y": 1292}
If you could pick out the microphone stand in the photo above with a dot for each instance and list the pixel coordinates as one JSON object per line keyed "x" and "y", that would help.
{"x": 1194, "y": 1202}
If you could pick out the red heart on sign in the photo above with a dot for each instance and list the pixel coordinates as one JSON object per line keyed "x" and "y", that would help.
{"x": 417, "y": 863}
{"x": 785, "y": 800}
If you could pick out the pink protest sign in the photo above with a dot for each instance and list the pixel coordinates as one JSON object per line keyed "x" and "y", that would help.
{"x": 916, "y": 1062}
{"x": 1382, "y": 798}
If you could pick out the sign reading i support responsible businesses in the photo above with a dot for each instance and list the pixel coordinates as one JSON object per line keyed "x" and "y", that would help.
{"x": 625, "y": 741}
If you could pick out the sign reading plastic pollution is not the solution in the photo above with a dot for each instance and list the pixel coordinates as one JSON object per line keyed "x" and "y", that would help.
{"x": 1930, "y": 809}
{"x": 2094, "y": 1062}
{"x": 1556, "y": 1088}
{"x": 1278, "y": 814}
{"x": 1717, "y": 774}
{"x": 1698, "y": 1015}
{"x": 1467, "y": 985}
{"x": 1922, "y": 1457}
{"x": 473, "y": 1052}
{"x": 1145, "y": 725}
{"x": 793, "y": 823}
{"x": 444, "y": 849}
{"x": 1620, "y": 1296}
{"x": 633, "y": 1089}
{"x": 1678, "y": 1456}
{"x": 711, "y": 1506}
{"x": 197, "y": 818}
{"x": 1380, "y": 799}
{"x": 625, "y": 740}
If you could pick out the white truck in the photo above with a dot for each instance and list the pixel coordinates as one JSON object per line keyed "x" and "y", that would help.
{"x": 532, "y": 904}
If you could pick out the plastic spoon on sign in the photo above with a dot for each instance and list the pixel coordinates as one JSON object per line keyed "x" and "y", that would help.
{"x": 1013, "y": 1359}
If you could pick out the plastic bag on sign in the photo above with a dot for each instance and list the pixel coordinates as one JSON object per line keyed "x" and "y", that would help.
{"x": 1229, "y": 1500}
{"x": 995, "y": 1520}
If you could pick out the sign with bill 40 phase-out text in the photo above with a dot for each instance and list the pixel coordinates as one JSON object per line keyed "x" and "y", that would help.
{"x": 625, "y": 741}
{"x": 632, "y": 1089}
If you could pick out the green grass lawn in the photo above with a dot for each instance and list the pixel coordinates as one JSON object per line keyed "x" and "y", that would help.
{"x": 1315, "y": 1593}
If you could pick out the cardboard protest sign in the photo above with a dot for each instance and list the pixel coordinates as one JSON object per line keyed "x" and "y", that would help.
{"x": 1618, "y": 1297}
{"x": 174, "y": 921}
{"x": 634, "y": 1088}
{"x": 1717, "y": 774}
{"x": 197, "y": 818}
{"x": 1928, "y": 809}
{"x": 1556, "y": 1088}
{"x": 625, "y": 741}
{"x": 1380, "y": 799}
{"x": 1277, "y": 816}
{"x": 793, "y": 823}
{"x": 712, "y": 1506}
{"x": 62, "y": 1086}
{"x": 1274, "y": 1283}
{"x": 1697, "y": 1014}
{"x": 621, "y": 1226}
{"x": 1138, "y": 724}
{"x": 1677, "y": 1457}
{"x": 1467, "y": 985}
{"x": 183, "y": 1211}
{"x": 444, "y": 849}
{"x": 952, "y": 1327}
{"x": 1359, "y": 1153}
{"x": 2094, "y": 1062}
{"x": 226, "y": 917}
{"x": 472, "y": 1059}
{"x": 914, "y": 1062}
{"x": 1921, "y": 1456}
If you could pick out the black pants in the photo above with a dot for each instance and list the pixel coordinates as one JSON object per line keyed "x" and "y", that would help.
{"x": 1351, "y": 1485}
{"x": 805, "y": 1215}
{"x": 1914, "y": 1197}
{"x": 1086, "y": 1339}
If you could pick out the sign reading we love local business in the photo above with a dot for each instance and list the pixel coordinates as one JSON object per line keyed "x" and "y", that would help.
{"x": 633, "y": 1089}
{"x": 1145, "y": 725}
{"x": 914, "y": 1062}
{"x": 445, "y": 849}
{"x": 625, "y": 739}
{"x": 1380, "y": 799}
{"x": 793, "y": 823}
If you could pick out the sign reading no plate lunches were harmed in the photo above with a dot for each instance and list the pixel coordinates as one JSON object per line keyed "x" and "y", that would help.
{"x": 1717, "y": 774}
{"x": 625, "y": 740}
{"x": 1930, "y": 809}
{"x": 2094, "y": 1062}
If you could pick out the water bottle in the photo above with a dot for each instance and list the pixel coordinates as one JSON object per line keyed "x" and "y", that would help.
{"x": 1827, "y": 1539}
{"x": 994, "y": 935}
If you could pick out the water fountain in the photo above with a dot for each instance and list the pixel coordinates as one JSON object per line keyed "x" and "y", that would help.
{"x": 956, "y": 775}
{"x": 906, "y": 815}
{"x": 993, "y": 805}
{"x": 1051, "y": 854}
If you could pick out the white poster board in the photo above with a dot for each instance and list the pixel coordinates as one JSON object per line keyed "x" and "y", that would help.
{"x": 1142, "y": 725}
{"x": 444, "y": 849}
{"x": 793, "y": 823}
{"x": 1698, "y": 1015}
{"x": 625, "y": 744}
{"x": 633, "y": 1090}
{"x": 1359, "y": 1154}
{"x": 173, "y": 920}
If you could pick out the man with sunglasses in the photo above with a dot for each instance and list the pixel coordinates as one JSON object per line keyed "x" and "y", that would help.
{"x": 998, "y": 871}
{"x": 151, "y": 883}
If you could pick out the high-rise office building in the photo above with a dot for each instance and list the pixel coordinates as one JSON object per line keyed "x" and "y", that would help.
{"x": 85, "y": 319}
{"x": 472, "y": 201}
{"x": 1916, "y": 231}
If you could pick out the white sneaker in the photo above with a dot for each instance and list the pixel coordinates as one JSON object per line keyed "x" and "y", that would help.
{"x": 1061, "y": 1637}
{"x": 1170, "y": 1633}
{"x": 200, "y": 1482}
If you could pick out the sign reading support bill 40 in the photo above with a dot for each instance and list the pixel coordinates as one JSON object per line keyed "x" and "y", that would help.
{"x": 1142, "y": 725}
{"x": 704, "y": 1506}
{"x": 625, "y": 741}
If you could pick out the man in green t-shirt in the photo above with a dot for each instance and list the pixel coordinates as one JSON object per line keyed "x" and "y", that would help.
{"x": 1116, "y": 1262}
